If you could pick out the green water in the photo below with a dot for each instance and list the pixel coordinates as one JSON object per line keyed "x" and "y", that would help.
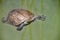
{"x": 39, "y": 30}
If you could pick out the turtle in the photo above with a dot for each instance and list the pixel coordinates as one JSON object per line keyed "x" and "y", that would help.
{"x": 21, "y": 17}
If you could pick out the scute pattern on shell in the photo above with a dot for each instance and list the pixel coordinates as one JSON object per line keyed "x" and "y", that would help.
{"x": 17, "y": 16}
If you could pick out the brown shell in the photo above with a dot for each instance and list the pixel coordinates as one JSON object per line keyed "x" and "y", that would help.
{"x": 17, "y": 16}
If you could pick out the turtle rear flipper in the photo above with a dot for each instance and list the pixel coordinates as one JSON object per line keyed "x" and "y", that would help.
{"x": 4, "y": 19}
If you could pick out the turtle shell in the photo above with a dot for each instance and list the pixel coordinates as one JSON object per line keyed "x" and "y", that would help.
{"x": 17, "y": 16}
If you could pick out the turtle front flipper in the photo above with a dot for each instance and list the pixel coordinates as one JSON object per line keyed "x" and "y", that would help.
{"x": 20, "y": 27}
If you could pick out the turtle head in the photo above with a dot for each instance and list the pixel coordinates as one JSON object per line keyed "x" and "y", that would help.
{"x": 42, "y": 17}
{"x": 4, "y": 19}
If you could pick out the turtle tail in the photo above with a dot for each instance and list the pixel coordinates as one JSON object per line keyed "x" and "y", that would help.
{"x": 42, "y": 17}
